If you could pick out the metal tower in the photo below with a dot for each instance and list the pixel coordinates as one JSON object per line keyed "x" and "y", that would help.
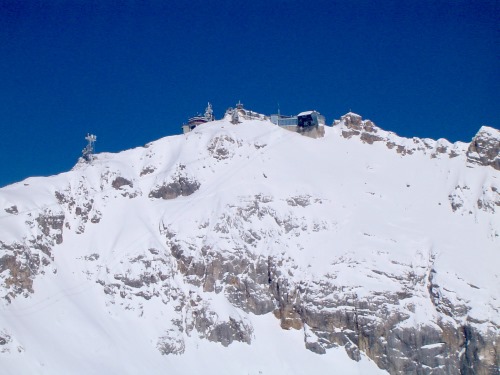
{"x": 209, "y": 113}
{"x": 88, "y": 151}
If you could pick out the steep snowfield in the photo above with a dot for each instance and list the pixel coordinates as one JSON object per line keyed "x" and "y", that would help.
{"x": 117, "y": 283}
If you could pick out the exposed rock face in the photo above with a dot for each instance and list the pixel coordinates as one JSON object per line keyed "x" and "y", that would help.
{"x": 125, "y": 187}
{"x": 485, "y": 148}
{"x": 171, "y": 343}
{"x": 78, "y": 201}
{"x": 21, "y": 262}
{"x": 182, "y": 185}
{"x": 209, "y": 326}
{"x": 179, "y": 184}
{"x": 352, "y": 125}
{"x": 223, "y": 147}
{"x": 51, "y": 226}
{"x": 463, "y": 201}
{"x": 330, "y": 314}
{"x": 18, "y": 267}
{"x": 356, "y": 125}
{"x": 317, "y": 131}
{"x": 8, "y": 344}
{"x": 120, "y": 181}
{"x": 147, "y": 170}
{"x": 12, "y": 210}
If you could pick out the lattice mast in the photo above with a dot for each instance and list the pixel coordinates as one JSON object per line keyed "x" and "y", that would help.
{"x": 88, "y": 151}
{"x": 209, "y": 113}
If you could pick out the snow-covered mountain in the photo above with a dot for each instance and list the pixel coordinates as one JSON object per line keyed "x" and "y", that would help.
{"x": 248, "y": 249}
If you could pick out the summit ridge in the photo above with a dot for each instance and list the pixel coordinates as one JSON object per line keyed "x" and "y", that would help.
{"x": 243, "y": 244}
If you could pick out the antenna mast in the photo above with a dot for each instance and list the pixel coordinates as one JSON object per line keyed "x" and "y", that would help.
{"x": 209, "y": 113}
{"x": 88, "y": 151}
{"x": 279, "y": 114}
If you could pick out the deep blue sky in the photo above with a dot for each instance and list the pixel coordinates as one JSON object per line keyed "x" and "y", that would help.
{"x": 134, "y": 71}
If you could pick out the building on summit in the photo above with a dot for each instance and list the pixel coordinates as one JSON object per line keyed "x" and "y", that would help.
{"x": 309, "y": 123}
{"x": 193, "y": 122}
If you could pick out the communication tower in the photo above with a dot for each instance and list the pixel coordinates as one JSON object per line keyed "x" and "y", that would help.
{"x": 88, "y": 151}
{"x": 209, "y": 113}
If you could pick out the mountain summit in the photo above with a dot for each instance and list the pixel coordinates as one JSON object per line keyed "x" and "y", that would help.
{"x": 246, "y": 246}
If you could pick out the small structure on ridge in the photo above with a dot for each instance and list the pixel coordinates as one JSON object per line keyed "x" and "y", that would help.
{"x": 193, "y": 122}
{"x": 239, "y": 113}
{"x": 88, "y": 151}
{"x": 309, "y": 123}
{"x": 310, "y": 118}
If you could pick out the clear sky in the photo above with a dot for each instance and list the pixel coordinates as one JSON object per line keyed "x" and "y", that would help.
{"x": 134, "y": 71}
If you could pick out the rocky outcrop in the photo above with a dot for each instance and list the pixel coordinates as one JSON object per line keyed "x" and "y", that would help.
{"x": 147, "y": 170}
{"x": 329, "y": 314}
{"x": 79, "y": 204}
{"x": 466, "y": 201}
{"x": 120, "y": 181}
{"x": 12, "y": 210}
{"x": 352, "y": 125}
{"x": 8, "y": 344}
{"x": 179, "y": 184}
{"x": 223, "y": 147}
{"x": 209, "y": 325}
{"x": 125, "y": 187}
{"x": 18, "y": 267}
{"x": 329, "y": 317}
{"x": 356, "y": 126}
{"x": 317, "y": 131}
{"x": 485, "y": 148}
{"x": 51, "y": 226}
{"x": 21, "y": 262}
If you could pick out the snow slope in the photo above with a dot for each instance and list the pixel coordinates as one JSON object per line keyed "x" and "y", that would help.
{"x": 188, "y": 254}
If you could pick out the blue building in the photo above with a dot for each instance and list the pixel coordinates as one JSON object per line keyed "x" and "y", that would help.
{"x": 282, "y": 120}
{"x": 302, "y": 120}
{"x": 310, "y": 118}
